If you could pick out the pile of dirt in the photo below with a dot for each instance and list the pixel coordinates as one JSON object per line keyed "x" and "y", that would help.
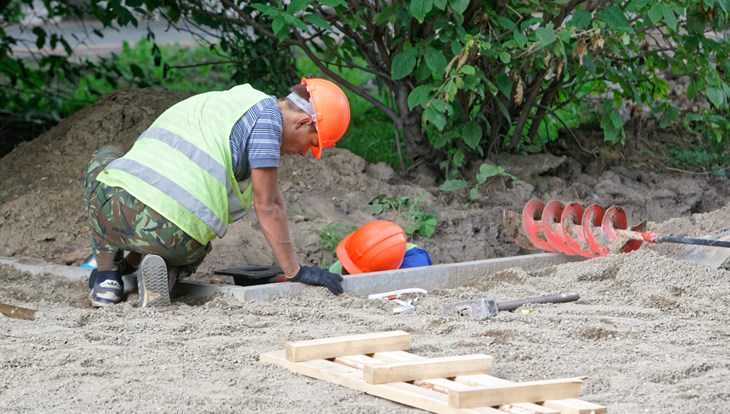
{"x": 42, "y": 212}
{"x": 650, "y": 331}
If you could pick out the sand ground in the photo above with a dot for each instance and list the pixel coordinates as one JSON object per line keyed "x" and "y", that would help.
{"x": 650, "y": 331}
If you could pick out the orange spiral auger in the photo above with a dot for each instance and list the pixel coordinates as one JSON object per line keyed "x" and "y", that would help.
{"x": 613, "y": 225}
{"x": 571, "y": 229}
{"x": 572, "y": 222}
{"x": 591, "y": 226}
{"x": 532, "y": 225}
{"x": 589, "y": 232}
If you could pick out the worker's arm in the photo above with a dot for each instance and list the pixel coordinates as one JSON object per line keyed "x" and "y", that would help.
{"x": 271, "y": 212}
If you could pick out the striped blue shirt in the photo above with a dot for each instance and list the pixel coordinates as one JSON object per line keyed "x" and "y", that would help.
{"x": 256, "y": 138}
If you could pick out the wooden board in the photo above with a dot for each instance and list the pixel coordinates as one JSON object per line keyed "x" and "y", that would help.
{"x": 440, "y": 385}
{"x": 429, "y": 368}
{"x": 348, "y": 345}
{"x": 400, "y": 392}
{"x": 533, "y": 391}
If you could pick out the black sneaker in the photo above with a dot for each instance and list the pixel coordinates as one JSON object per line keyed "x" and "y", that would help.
{"x": 152, "y": 282}
{"x": 124, "y": 269}
{"x": 106, "y": 292}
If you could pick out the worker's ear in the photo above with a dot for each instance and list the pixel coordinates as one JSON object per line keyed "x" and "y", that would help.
{"x": 303, "y": 120}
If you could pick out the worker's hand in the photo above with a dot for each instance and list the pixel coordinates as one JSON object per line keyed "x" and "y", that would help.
{"x": 317, "y": 277}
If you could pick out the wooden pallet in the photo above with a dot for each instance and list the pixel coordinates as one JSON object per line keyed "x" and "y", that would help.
{"x": 377, "y": 364}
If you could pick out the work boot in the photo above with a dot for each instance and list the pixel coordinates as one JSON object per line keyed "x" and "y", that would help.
{"x": 108, "y": 289}
{"x": 124, "y": 269}
{"x": 153, "y": 283}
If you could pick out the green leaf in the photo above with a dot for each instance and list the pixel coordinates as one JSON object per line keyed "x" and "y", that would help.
{"x": 716, "y": 96}
{"x": 440, "y": 4}
{"x": 458, "y": 159}
{"x": 616, "y": 120}
{"x": 506, "y": 23}
{"x": 615, "y": 18}
{"x": 468, "y": 70}
{"x": 453, "y": 185}
{"x": 403, "y": 64}
{"x": 505, "y": 57}
{"x": 294, "y": 21}
{"x": 504, "y": 111}
{"x": 40, "y": 37}
{"x": 491, "y": 86}
{"x": 439, "y": 104}
{"x": 419, "y": 97}
{"x": 332, "y": 3}
{"x": 474, "y": 193}
{"x": 459, "y": 6}
{"x": 435, "y": 117}
{"x": 611, "y": 134}
{"x": 295, "y": 6}
{"x": 445, "y": 138}
{"x": 318, "y": 21}
{"x": 691, "y": 90}
{"x": 136, "y": 70}
{"x": 450, "y": 89}
{"x": 520, "y": 39}
{"x": 281, "y": 29}
{"x": 486, "y": 171}
{"x": 472, "y": 134}
{"x": 436, "y": 61}
{"x": 637, "y": 5}
{"x": 545, "y": 36}
{"x": 692, "y": 117}
{"x": 656, "y": 13}
{"x": 669, "y": 17}
{"x": 420, "y": 8}
{"x": 504, "y": 84}
{"x": 266, "y": 9}
{"x": 696, "y": 23}
{"x": 581, "y": 19}
{"x": 671, "y": 114}
{"x": 427, "y": 226}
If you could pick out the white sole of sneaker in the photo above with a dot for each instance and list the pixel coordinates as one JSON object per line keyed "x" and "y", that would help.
{"x": 154, "y": 288}
{"x": 98, "y": 304}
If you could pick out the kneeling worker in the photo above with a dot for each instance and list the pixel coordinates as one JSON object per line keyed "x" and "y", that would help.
{"x": 177, "y": 189}
{"x": 376, "y": 246}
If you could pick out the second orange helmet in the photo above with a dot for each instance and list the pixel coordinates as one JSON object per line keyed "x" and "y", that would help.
{"x": 375, "y": 246}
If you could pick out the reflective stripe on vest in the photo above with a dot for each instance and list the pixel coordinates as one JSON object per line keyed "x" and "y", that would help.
{"x": 207, "y": 163}
{"x": 181, "y": 166}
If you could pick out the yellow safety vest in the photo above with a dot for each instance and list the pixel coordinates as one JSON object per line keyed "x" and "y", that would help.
{"x": 181, "y": 166}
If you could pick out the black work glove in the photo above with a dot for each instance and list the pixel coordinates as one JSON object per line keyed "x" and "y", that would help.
{"x": 317, "y": 277}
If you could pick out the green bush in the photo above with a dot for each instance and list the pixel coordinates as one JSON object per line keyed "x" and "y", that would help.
{"x": 462, "y": 81}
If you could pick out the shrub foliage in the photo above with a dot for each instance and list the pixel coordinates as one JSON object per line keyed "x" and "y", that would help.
{"x": 465, "y": 81}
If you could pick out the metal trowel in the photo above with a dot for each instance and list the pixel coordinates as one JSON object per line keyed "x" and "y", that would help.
{"x": 487, "y": 307}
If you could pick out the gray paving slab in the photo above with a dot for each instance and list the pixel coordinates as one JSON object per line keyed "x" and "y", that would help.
{"x": 442, "y": 276}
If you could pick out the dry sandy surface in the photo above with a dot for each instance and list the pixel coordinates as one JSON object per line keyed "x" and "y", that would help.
{"x": 650, "y": 331}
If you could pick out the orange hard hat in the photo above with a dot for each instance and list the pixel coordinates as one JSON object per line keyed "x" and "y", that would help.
{"x": 331, "y": 111}
{"x": 378, "y": 245}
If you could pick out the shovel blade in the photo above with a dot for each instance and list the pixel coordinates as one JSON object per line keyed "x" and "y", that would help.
{"x": 715, "y": 257}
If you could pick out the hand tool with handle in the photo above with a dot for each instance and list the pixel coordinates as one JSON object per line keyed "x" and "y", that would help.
{"x": 488, "y": 307}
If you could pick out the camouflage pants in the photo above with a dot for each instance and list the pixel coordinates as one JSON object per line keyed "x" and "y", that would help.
{"x": 120, "y": 222}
